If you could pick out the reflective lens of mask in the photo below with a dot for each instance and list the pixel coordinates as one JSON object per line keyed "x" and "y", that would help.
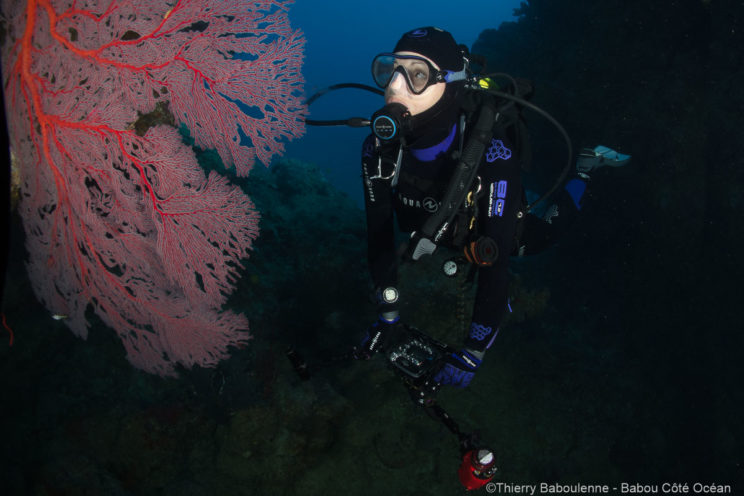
{"x": 417, "y": 71}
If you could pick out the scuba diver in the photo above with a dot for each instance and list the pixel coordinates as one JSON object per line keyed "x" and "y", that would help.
{"x": 445, "y": 161}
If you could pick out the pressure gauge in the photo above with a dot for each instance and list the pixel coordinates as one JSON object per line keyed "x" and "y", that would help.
{"x": 450, "y": 268}
{"x": 389, "y": 295}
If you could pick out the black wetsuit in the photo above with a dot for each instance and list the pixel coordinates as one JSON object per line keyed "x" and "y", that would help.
{"x": 422, "y": 180}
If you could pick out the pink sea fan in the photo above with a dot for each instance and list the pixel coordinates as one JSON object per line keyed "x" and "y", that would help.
{"x": 128, "y": 224}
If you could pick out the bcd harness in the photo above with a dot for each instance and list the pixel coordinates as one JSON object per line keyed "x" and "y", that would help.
{"x": 457, "y": 213}
{"x": 459, "y": 192}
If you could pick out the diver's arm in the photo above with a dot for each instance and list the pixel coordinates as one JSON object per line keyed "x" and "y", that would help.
{"x": 497, "y": 219}
{"x": 488, "y": 310}
{"x": 381, "y": 254}
{"x": 498, "y": 210}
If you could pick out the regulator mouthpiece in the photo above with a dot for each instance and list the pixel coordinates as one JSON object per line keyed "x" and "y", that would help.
{"x": 390, "y": 122}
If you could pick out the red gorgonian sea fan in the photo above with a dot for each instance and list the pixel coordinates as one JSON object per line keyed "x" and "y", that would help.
{"x": 126, "y": 222}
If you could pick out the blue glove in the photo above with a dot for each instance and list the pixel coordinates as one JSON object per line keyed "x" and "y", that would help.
{"x": 375, "y": 338}
{"x": 458, "y": 370}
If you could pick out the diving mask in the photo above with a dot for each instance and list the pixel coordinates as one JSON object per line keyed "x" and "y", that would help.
{"x": 417, "y": 71}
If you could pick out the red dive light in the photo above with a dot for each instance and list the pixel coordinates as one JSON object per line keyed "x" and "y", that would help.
{"x": 477, "y": 468}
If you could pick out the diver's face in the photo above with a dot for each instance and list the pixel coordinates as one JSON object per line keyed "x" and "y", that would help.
{"x": 397, "y": 91}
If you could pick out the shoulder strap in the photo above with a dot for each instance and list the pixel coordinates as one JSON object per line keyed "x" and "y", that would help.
{"x": 424, "y": 242}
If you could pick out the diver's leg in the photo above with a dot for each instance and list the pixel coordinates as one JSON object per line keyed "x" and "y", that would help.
{"x": 542, "y": 231}
{"x": 599, "y": 156}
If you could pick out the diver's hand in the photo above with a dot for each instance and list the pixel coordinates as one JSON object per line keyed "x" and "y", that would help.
{"x": 459, "y": 368}
{"x": 376, "y": 337}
